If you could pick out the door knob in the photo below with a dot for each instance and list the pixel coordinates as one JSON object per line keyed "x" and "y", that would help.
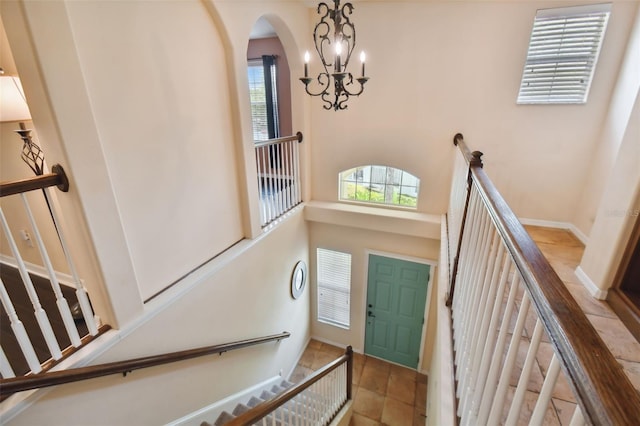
{"x": 370, "y": 305}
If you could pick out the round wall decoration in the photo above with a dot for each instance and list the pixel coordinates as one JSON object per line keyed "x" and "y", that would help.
{"x": 298, "y": 279}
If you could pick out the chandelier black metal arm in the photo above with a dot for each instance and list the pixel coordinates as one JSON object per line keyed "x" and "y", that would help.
{"x": 333, "y": 32}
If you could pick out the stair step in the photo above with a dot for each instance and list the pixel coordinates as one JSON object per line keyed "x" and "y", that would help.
{"x": 254, "y": 401}
{"x": 224, "y": 417}
{"x": 240, "y": 408}
{"x": 267, "y": 395}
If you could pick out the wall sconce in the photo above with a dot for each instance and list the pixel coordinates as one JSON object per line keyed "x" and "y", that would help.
{"x": 13, "y": 107}
{"x": 335, "y": 38}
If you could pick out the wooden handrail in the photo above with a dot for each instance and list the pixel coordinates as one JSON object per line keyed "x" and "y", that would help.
{"x": 296, "y": 137}
{"x": 604, "y": 392}
{"x": 57, "y": 178}
{"x": 267, "y": 407}
{"x": 53, "y": 378}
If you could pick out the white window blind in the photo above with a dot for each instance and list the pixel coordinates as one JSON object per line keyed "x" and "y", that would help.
{"x": 334, "y": 287}
{"x": 563, "y": 51}
{"x": 261, "y": 117}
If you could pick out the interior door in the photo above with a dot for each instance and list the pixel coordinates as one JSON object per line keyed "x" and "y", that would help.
{"x": 396, "y": 297}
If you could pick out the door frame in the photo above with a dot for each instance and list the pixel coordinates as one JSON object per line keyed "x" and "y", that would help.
{"x": 433, "y": 264}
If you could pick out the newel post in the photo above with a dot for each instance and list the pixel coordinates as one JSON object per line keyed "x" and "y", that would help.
{"x": 474, "y": 160}
{"x": 349, "y": 353}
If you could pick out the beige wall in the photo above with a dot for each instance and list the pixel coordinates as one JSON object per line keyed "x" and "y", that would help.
{"x": 438, "y": 68}
{"x": 241, "y": 295}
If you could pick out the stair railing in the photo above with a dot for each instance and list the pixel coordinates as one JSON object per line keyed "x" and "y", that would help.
{"x": 497, "y": 274}
{"x": 278, "y": 170}
{"x": 21, "y": 187}
{"x": 53, "y": 378}
{"x": 314, "y": 401}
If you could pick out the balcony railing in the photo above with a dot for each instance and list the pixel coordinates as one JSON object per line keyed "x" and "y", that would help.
{"x": 506, "y": 298}
{"x": 12, "y": 356}
{"x": 278, "y": 170}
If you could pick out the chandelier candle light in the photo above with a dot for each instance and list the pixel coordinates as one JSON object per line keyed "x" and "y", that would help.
{"x": 334, "y": 32}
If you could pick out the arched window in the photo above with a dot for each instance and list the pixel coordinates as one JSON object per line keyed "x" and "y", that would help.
{"x": 379, "y": 185}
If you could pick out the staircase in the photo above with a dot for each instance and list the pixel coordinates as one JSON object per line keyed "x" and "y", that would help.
{"x": 321, "y": 399}
{"x": 266, "y": 395}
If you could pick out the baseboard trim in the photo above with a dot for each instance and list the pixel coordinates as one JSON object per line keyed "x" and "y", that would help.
{"x": 591, "y": 287}
{"x": 211, "y": 412}
{"x": 558, "y": 225}
{"x": 40, "y": 271}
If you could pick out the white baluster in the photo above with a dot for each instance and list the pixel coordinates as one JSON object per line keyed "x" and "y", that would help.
{"x": 81, "y": 293}
{"x": 61, "y": 302}
{"x": 484, "y": 341}
{"x": 521, "y": 389}
{"x": 510, "y": 360}
{"x": 40, "y": 314}
{"x": 19, "y": 332}
{"x": 296, "y": 152}
{"x": 492, "y": 357}
{"x": 5, "y": 367}
{"x": 259, "y": 173}
{"x": 577, "y": 419}
{"x": 550, "y": 380}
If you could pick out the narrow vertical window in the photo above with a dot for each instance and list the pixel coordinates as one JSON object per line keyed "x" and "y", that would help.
{"x": 334, "y": 287}
{"x": 562, "y": 55}
{"x": 263, "y": 91}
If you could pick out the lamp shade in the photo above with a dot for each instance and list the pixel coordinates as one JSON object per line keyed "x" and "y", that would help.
{"x": 13, "y": 105}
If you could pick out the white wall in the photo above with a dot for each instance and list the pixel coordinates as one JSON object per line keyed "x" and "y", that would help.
{"x": 240, "y": 295}
{"x": 438, "y": 68}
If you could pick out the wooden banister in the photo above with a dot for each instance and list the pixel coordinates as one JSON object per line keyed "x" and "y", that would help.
{"x": 296, "y": 137}
{"x": 604, "y": 392}
{"x": 267, "y": 407}
{"x": 53, "y": 378}
{"x": 56, "y": 178}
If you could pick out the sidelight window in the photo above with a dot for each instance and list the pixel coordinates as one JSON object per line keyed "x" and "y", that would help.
{"x": 334, "y": 287}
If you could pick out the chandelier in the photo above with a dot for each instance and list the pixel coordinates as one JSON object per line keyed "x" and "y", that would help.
{"x": 334, "y": 38}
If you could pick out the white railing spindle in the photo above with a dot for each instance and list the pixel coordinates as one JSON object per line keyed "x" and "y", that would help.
{"x": 19, "y": 331}
{"x": 38, "y": 311}
{"x": 61, "y": 302}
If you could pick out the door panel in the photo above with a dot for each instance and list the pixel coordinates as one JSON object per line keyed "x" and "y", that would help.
{"x": 396, "y": 293}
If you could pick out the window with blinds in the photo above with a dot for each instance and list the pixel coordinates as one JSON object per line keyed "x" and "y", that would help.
{"x": 262, "y": 74}
{"x": 334, "y": 287}
{"x": 563, "y": 50}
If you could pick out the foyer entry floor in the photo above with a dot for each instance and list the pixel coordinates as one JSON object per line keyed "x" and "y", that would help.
{"x": 564, "y": 251}
{"x": 383, "y": 393}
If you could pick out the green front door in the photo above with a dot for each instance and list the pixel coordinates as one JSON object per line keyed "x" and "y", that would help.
{"x": 396, "y": 296}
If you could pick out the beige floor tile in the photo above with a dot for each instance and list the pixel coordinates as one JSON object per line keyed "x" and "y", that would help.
{"x": 358, "y": 366}
{"x": 368, "y": 404}
{"x": 589, "y": 304}
{"x": 632, "y": 370}
{"x": 564, "y": 410}
{"x": 419, "y": 418}
{"x": 401, "y": 388}
{"x": 562, "y": 390}
{"x": 421, "y": 397}
{"x": 360, "y": 420}
{"x": 306, "y": 360}
{"x": 617, "y": 337}
{"x": 403, "y": 372}
{"x": 375, "y": 376}
{"x": 530, "y": 398}
{"x": 397, "y": 413}
{"x": 321, "y": 359}
{"x": 314, "y": 344}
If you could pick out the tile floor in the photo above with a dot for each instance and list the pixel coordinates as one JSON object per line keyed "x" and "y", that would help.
{"x": 564, "y": 251}
{"x": 383, "y": 393}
